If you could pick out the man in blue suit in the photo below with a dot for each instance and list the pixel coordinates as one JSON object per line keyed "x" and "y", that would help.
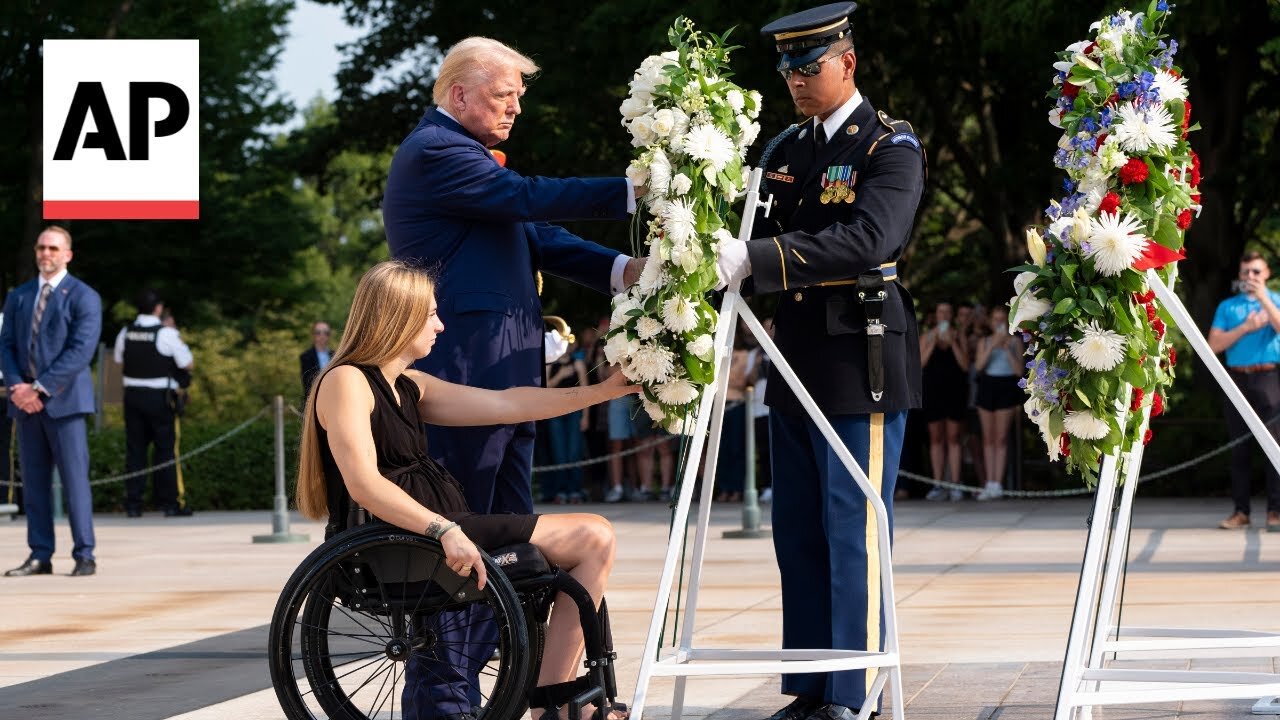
{"x": 449, "y": 203}
{"x": 51, "y": 328}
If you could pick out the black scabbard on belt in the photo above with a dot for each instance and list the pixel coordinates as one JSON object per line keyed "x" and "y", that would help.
{"x": 871, "y": 294}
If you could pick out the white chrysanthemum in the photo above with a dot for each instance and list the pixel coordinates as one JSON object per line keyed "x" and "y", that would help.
{"x": 678, "y": 425}
{"x": 652, "y": 363}
{"x": 679, "y": 221}
{"x": 679, "y": 315}
{"x": 754, "y": 110}
{"x": 659, "y": 172}
{"x": 1139, "y": 131}
{"x": 1098, "y": 349}
{"x": 677, "y": 392}
{"x": 622, "y": 304}
{"x": 1169, "y": 86}
{"x": 709, "y": 143}
{"x": 1082, "y": 424}
{"x": 1116, "y": 242}
{"x": 1027, "y": 307}
{"x": 619, "y": 347}
{"x": 653, "y": 277}
{"x": 647, "y": 327}
{"x": 680, "y": 184}
{"x": 653, "y": 410}
{"x": 701, "y": 347}
{"x": 638, "y": 173}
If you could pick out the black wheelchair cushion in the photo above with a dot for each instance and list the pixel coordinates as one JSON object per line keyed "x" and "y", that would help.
{"x": 520, "y": 561}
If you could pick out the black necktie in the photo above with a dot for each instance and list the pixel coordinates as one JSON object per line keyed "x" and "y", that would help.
{"x": 820, "y": 135}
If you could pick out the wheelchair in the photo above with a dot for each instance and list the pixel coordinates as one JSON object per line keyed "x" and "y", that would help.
{"x": 374, "y": 597}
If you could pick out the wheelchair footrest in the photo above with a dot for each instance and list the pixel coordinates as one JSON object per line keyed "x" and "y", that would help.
{"x": 593, "y": 695}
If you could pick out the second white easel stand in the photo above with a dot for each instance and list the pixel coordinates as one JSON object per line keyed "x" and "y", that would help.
{"x": 1086, "y": 681}
{"x": 685, "y": 660}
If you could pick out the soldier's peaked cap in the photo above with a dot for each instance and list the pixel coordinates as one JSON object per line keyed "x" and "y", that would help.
{"x": 804, "y": 36}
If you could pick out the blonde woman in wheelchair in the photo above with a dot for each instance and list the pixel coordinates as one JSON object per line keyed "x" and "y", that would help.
{"x": 364, "y": 449}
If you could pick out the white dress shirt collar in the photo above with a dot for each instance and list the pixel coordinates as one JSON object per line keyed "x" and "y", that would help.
{"x": 838, "y": 118}
{"x": 54, "y": 281}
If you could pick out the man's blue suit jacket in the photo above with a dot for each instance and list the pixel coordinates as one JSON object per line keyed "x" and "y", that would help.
{"x": 69, "y": 334}
{"x": 486, "y": 229}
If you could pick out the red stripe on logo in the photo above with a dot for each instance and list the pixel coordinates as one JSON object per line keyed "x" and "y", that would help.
{"x": 121, "y": 209}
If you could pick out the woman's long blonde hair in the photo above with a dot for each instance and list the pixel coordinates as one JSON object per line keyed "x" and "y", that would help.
{"x": 391, "y": 305}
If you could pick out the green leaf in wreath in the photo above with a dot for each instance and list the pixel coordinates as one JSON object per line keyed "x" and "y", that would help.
{"x": 1134, "y": 374}
{"x": 1084, "y": 398}
{"x": 1091, "y": 307}
{"x": 1065, "y": 305}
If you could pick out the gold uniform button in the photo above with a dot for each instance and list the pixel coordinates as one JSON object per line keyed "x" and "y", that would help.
{"x": 799, "y": 297}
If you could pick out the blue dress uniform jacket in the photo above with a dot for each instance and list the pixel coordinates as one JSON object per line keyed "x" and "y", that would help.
{"x": 806, "y": 242}
{"x": 69, "y": 332}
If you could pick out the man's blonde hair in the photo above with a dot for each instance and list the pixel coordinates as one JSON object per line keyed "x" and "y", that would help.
{"x": 475, "y": 61}
{"x": 391, "y": 305}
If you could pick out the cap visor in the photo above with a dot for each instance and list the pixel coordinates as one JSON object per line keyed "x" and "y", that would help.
{"x": 793, "y": 60}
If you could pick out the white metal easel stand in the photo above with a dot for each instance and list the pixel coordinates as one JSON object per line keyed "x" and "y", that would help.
{"x": 685, "y": 660}
{"x": 1086, "y": 682}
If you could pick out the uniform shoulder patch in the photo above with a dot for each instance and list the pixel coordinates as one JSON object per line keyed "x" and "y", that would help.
{"x": 903, "y": 137}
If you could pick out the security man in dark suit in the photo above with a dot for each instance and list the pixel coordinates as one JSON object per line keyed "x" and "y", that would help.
{"x": 155, "y": 362}
{"x": 845, "y": 184}
{"x": 315, "y": 358}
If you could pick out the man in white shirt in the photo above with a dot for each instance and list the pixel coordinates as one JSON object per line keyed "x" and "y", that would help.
{"x": 154, "y": 359}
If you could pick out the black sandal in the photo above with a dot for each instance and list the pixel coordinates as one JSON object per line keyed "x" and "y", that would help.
{"x": 576, "y": 694}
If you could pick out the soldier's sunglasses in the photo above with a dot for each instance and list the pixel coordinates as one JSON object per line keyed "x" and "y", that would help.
{"x": 808, "y": 69}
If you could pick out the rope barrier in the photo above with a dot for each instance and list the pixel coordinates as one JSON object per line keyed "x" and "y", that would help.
{"x": 185, "y": 456}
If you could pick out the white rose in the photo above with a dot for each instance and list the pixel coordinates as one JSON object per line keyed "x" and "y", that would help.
{"x": 735, "y": 100}
{"x": 659, "y": 173}
{"x": 657, "y": 204}
{"x": 701, "y": 347}
{"x": 620, "y": 347}
{"x": 663, "y": 122}
{"x": 634, "y": 107}
{"x": 679, "y": 122}
{"x": 642, "y": 131}
{"x": 680, "y": 184}
{"x": 622, "y": 304}
{"x": 754, "y": 110}
{"x": 653, "y": 410}
{"x": 638, "y": 173}
{"x": 750, "y": 130}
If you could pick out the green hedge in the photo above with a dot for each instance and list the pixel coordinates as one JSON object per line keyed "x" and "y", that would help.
{"x": 236, "y": 474}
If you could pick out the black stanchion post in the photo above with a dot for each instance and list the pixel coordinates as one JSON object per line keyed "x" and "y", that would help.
{"x": 750, "y": 499}
{"x": 280, "y": 517}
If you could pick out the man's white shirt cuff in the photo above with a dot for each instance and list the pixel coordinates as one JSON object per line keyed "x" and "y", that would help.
{"x": 616, "y": 284}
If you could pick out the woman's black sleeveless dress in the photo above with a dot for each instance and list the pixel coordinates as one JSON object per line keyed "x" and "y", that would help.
{"x": 401, "y": 444}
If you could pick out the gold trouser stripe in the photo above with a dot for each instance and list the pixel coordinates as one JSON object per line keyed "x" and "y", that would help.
{"x": 810, "y": 31}
{"x": 782, "y": 262}
{"x": 177, "y": 456}
{"x": 793, "y": 252}
{"x": 875, "y": 474}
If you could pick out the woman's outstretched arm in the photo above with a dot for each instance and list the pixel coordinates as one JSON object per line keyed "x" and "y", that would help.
{"x": 445, "y": 403}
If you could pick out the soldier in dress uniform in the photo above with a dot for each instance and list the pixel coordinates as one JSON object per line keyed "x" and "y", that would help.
{"x": 845, "y": 184}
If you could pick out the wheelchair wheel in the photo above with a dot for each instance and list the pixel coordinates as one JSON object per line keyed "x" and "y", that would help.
{"x": 365, "y": 604}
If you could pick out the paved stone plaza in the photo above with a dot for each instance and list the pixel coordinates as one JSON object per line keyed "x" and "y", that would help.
{"x": 174, "y": 624}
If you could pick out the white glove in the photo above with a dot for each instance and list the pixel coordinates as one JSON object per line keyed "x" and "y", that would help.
{"x": 733, "y": 263}
{"x": 554, "y": 346}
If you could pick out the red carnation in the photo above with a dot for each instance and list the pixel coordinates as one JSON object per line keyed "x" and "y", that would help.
{"x": 1115, "y": 98}
{"x": 1090, "y": 49}
{"x": 1157, "y": 405}
{"x": 1196, "y": 198}
{"x": 1146, "y": 437}
{"x": 1193, "y": 177}
{"x": 1069, "y": 90}
{"x": 1151, "y": 313}
{"x": 1134, "y": 171}
{"x": 1173, "y": 357}
{"x": 1195, "y": 160}
{"x": 1137, "y": 399}
{"x": 1158, "y": 324}
{"x": 1145, "y": 297}
{"x": 1064, "y": 445}
{"x": 1110, "y": 203}
{"x": 1101, "y": 139}
{"x": 1186, "y": 118}
{"x": 1184, "y": 219}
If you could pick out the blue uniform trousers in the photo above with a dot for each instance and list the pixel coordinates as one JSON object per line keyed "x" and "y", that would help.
{"x": 494, "y": 466}
{"x": 825, "y": 537}
{"x": 45, "y": 443}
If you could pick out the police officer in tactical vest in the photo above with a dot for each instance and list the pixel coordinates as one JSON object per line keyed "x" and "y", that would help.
{"x": 845, "y": 183}
{"x": 157, "y": 366}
